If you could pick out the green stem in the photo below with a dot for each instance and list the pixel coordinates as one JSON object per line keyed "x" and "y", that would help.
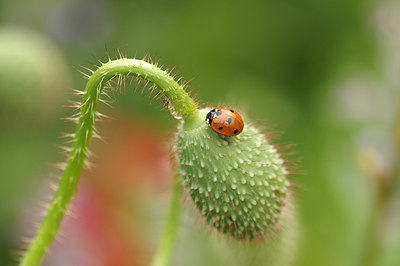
{"x": 180, "y": 105}
{"x": 167, "y": 241}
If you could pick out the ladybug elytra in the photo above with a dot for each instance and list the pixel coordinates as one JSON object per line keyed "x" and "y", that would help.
{"x": 225, "y": 121}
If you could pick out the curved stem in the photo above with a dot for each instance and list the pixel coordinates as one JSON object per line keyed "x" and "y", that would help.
{"x": 167, "y": 241}
{"x": 180, "y": 104}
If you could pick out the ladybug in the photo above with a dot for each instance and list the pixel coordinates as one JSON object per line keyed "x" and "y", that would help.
{"x": 225, "y": 121}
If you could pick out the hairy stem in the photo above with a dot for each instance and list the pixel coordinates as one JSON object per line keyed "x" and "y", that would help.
{"x": 180, "y": 104}
{"x": 167, "y": 241}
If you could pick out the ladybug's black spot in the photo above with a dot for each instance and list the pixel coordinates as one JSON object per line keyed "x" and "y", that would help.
{"x": 220, "y": 128}
{"x": 229, "y": 120}
{"x": 232, "y": 111}
{"x": 236, "y": 131}
{"x": 218, "y": 112}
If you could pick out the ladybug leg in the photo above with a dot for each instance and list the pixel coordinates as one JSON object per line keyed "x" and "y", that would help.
{"x": 227, "y": 139}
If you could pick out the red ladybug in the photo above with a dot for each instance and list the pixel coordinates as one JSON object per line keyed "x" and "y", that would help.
{"x": 225, "y": 121}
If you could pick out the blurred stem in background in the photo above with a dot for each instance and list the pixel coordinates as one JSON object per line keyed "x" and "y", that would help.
{"x": 395, "y": 178}
{"x": 386, "y": 189}
{"x": 166, "y": 243}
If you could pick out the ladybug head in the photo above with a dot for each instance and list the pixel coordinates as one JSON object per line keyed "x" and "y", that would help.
{"x": 210, "y": 116}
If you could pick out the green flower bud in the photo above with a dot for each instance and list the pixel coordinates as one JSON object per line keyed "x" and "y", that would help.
{"x": 238, "y": 183}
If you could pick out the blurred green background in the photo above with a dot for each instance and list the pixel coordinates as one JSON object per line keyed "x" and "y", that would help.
{"x": 325, "y": 73}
